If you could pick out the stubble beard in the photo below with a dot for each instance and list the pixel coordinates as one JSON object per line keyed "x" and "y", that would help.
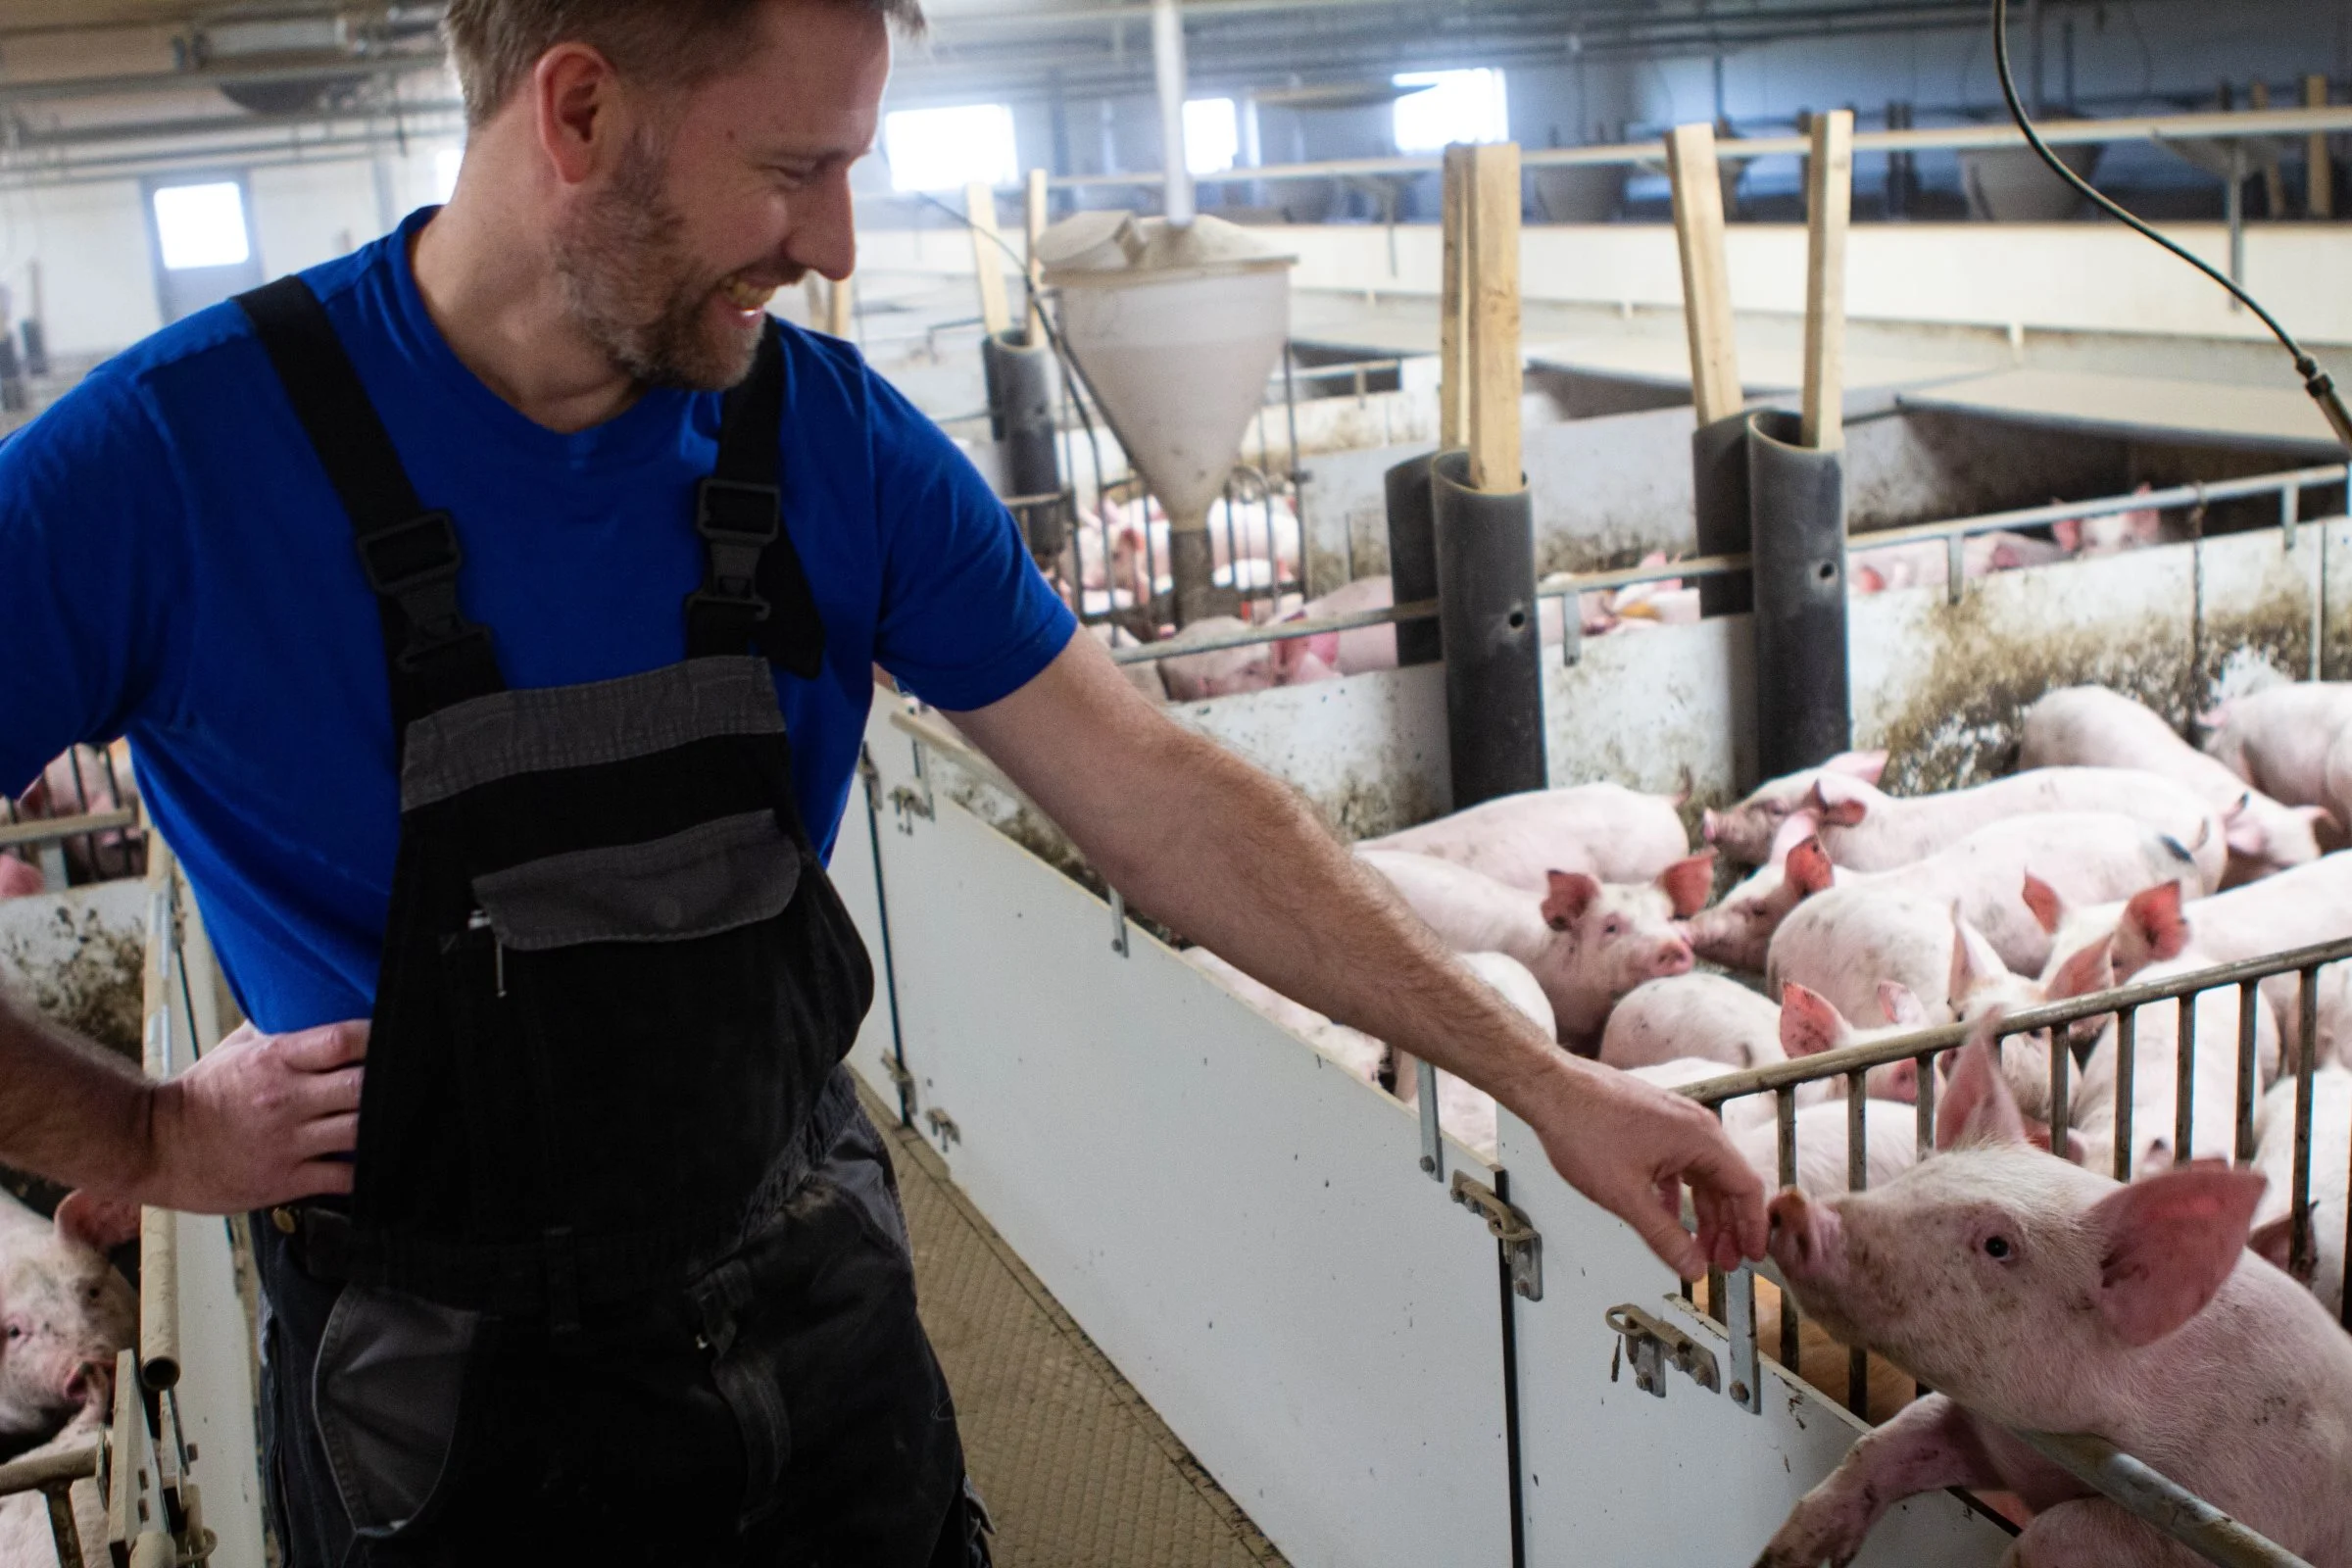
{"x": 637, "y": 294}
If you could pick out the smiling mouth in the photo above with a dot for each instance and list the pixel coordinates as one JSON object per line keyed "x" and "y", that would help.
{"x": 746, "y": 295}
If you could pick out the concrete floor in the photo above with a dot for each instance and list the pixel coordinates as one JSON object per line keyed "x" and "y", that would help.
{"x": 1077, "y": 1471}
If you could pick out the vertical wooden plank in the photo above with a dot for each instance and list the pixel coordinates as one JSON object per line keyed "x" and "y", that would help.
{"x": 1034, "y": 222}
{"x": 1494, "y": 375}
{"x": 1695, "y": 174}
{"x": 1830, "y": 201}
{"x": 988, "y": 257}
{"x": 1453, "y": 299}
{"x": 2322, "y": 200}
{"x": 840, "y": 308}
{"x": 2274, "y": 177}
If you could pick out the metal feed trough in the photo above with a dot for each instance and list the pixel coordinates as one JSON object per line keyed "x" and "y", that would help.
{"x": 2127, "y": 1482}
{"x": 169, "y": 1392}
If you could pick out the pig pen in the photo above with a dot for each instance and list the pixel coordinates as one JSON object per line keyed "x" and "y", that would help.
{"x": 1387, "y": 1347}
{"x": 130, "y": 956}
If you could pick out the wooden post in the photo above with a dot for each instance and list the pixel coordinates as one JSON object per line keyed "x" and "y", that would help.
{"x": 1454, "y": 333}
{"x": 2320, "y": 202}
{"x": 1491, "y": 320}
{"x": 1036, "y": 225}
{"x": 2274, "y": 177}
{"x": 988, "y": 257}
{"x": 841, "y": 319}
{"x": 1694, "y": 169}
{"x": 1830, "y": 201}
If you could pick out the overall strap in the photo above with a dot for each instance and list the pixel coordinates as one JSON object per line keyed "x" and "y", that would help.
{"x": 753, "y": 589}
{"x": 411, "y": 555}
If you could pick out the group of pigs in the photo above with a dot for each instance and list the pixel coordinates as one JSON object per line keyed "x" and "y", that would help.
{"x": 84, "y": 781}
{"x": 2117, "y": 852}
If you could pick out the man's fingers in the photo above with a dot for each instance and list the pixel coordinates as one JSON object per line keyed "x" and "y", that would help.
{"x": 1717, "y": 1174}
{"x": 329, "y": 1135}
{"x": 329, "y": 1094}
{"x": 319, "y": 1178}
{"x": 1656, "y": 1217}
{"x": 337, "y": 1045}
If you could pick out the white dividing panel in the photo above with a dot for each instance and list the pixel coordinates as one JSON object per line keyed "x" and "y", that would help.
{"x": 1241, "y": 1225}
{"x": 215, "y": 1393}
{"x": 1616, "y": 1478}
{"x": 855, "y": 878}
{"x": 1656, "y": 709}
{"x": 1370, "y": 750}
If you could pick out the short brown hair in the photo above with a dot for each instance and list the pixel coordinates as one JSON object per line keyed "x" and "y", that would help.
{"x": 495, "y": 43}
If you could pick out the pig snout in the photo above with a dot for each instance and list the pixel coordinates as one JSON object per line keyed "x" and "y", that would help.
{"x": 1671, "y": 957}
{"x": 88, "y": 1383}
{"x": 1807, "y": 1242}
{"x": 1709, "y": 824}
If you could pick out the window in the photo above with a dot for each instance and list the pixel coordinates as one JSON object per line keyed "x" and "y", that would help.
{"x": 942, "y": 149}
{"x": 1212, "y": 135}
{"x": 1451, "y": 105}
{"x": 202, "y": 226}
{"x": 446, "y": 163}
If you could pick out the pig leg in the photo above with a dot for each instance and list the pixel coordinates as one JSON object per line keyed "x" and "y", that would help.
{"x": 1932, "y": 1445}
{"x": 2094, "y": 1533}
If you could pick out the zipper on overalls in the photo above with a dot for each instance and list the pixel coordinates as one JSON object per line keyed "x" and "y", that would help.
{"x": 479, "y": 920}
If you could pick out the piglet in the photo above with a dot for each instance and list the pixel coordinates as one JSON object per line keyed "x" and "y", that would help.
{"x": 1737, "y": 931}
{"x": 1605, "y": 831}
{"x": 1890, "y": 1134}
{"x": 1587, "y": 942}
{"x": 66, "y": 1310}
{"x": 1745, "y": 833}
{"x": 1218, "y": 672}
{"x": 2279, "y": 740}
{"x": 2037, "y": 1296}
{"x": 2331, "y": 1165}
{"x": 19, "y": 880}
{"x": 1692, "y": 1016}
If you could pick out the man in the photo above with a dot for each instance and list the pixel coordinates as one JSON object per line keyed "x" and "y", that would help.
{"x": 492, "y": 611}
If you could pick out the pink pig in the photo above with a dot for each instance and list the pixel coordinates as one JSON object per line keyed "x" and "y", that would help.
{"x": 2037, "y": 1295}
{"x": 1746, "y": 833}
{"x": 1603, "y": 830}
{"x": 66, "y": 1311}
{"x": 19, "y": 880}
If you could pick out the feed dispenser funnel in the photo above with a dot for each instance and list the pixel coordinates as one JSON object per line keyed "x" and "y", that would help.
{"x": 1176, "y": 330}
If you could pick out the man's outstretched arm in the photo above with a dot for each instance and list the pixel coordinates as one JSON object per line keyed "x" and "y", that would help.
{"x": 1239, "y": 863}
{"x": 258, "y": 1122}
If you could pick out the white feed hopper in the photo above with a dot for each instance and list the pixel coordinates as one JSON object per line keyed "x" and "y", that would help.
{"x": 1176, "y": 329}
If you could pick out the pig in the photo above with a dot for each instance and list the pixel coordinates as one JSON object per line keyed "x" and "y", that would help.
{"x": 2112, "y": 533}
{"x": 2037, "y": 1296}
{"x": 2277, "y": 740}
{"x": 66, "y": 1311}
{"x": 1698, "y": 1016}
{"x": 1587, "y": 942}
{"x": 1146, "y": 678}
{"x": 2094, "y": 727}
{"x": 1737, "y": 932}
{"x": 1605, "y": 831}
{"x": 1926, "y": 562}
{"x": 1219, "y": 672}
{"x": 1745, "y": 833}
{"x": 1370, "y": 648}
{"x": 1810, "y": 1026}
{"x": 1889, "y": 1138}
{"x": 17, "y": 880}
{"x": 1842, "y": 944}
{"x": 2331, "y": 1165}
{"x": 1740, "y": 1117}
{"x": 1866, "y": 830}
{"x": 2155, "y": 1091}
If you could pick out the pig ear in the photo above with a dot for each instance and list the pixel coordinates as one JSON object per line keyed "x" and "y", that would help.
{"x": 2241, "y": 832}
{"x": 2044, "y": 899}
{"x": 2273, "y": 1242}
{"x": 1976, "y": 1106}
{"x": 1810, "y": 1023}
{"x": 1868, "y": 767}
{"x": 1897, "y": 1081}
{"x": 2154, "y": 916}
{"x": 1900, "y": 1005}
{"x": 1974, "y": 965}
{"x": 2170, "y": 1241}
{"x": 1796, "y": 827}
{"x": 1572, "y": 893}
{"x": 99, "y": 1223}
{"x": 1807, "y": 868}
{"x": 2087, "y": 970}
{"x": 1689, "y": 883}
{"x": 1840, "y": 801}
{"x": 2067, "y": 531}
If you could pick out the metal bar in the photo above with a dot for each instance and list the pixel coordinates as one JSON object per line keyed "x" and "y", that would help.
{"x": 48, "y": 1470}
{"x": 1858, "y": 1179}
{"x": 1784, "y": 1113}
{"x": 2249, "y": 998}
{"x": 2301, "y": 1251}
{"x": 1942, "y": 1038}
{"x": 47, "y": 830}
{"x": 1282, "y": 631}
{"x": 2146, "y": 1494}
{"x": 2061, "y": 1059}
{"x": 1927, "y": 1106}
{"x": 2127, "y": 1067}
{"x": 2185, "y": 1081}
{"x": 1433, "y": 1139}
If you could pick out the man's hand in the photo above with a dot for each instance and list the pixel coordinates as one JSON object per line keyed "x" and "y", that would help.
{"x": 1632, "y": 1147}
{"x": 260, "y": 1119}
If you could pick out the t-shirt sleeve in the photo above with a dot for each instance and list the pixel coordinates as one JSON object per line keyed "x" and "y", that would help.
{"x": 966, "y": 617}
{"x": 94, "y": 574}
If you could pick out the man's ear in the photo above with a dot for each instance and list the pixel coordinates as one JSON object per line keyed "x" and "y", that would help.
{"x": 571, "y": 99}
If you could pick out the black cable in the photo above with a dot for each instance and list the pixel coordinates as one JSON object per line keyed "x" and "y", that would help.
{"x": 2315, "y": 380}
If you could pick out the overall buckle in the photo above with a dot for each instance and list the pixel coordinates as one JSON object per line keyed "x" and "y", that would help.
{"x": 737, "y": 522}
{"x": 414, "y": 564}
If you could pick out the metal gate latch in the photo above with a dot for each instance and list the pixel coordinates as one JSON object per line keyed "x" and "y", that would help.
{"x": 1655, "y": 1346}
{"x": 1522, "y": 1244}
{"x": 943, "y": 1128}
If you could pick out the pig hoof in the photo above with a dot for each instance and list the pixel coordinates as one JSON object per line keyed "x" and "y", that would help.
{"x": 1811, "y": 1537}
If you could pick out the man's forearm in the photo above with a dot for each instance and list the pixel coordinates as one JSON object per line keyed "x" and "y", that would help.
{"x": 70, "y": 1110}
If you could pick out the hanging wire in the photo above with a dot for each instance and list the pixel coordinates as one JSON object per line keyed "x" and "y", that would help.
{"x": 2315, "y": 380}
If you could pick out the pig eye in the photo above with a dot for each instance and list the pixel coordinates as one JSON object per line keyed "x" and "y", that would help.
{"x": 1997, "y": 1248}
{"x": 15, "y": 1332}
{"x": 1613, "y": 927}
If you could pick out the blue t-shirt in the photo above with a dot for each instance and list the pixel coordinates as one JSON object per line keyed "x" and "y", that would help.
{"x": 175, "y": 566}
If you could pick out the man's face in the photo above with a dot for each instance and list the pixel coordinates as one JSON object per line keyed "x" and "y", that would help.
{"x": 738, "y": 188}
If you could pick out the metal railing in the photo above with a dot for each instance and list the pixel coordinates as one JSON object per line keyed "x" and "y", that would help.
{"x": 141, "y": 1459}
{"x": 2288, "y": 486}
{"x": 1732, "y": 1298}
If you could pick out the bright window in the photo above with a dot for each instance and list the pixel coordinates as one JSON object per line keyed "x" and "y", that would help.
{"x": 1451, "y": 105}
{"x": 942, "y": 149}
{"x": 446, "y": 163}
{"x": 202, "y": 226}
{"x": 1212, "y": 135}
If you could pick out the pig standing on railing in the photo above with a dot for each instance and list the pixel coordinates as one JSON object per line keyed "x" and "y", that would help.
{"x": 2037, "y": 1295}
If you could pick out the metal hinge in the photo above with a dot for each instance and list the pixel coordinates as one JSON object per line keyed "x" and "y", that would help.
{"x": 1656, "y": 1345}
{"x": 1521, "y": 1243}
{"x": 907, "y": 802}
{"x": 870, "y": 775}
{"x": 943, "y": 1127}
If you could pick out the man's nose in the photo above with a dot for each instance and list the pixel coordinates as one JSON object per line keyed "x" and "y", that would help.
{"x": 824, "y": 228}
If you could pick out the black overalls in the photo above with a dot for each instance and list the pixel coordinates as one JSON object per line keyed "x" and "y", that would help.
{"x": 623, "y": 1278}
